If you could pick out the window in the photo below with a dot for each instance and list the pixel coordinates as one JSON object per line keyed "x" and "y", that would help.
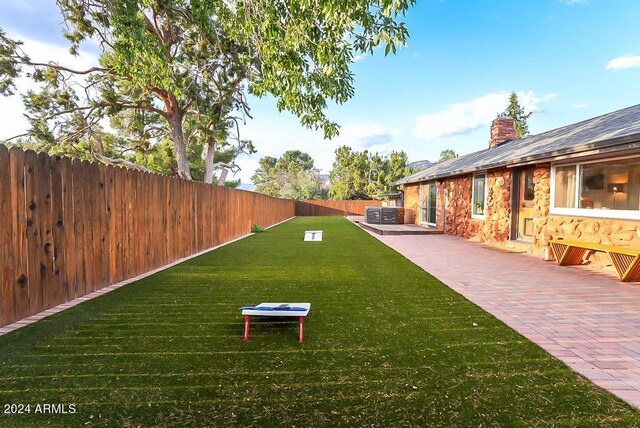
{"x": 529, "y": 186}
{"x": 479, "y": 195}
{"x": 598, "y": 189}
{"x": 565, "y": 189}
{"x": 431, "y": 203}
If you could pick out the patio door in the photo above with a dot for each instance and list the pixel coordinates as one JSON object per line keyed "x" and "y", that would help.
{"x": 526, "y": 194}
{"x": 428, "y": 203}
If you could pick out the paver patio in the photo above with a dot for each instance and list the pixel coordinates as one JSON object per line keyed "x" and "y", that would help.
{"x": 589, "y": 320}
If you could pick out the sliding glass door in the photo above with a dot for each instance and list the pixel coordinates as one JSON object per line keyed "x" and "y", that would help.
{"x": 428, "y": 203}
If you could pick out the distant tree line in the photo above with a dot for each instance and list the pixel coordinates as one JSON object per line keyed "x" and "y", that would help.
{"x": 354, "y": 175}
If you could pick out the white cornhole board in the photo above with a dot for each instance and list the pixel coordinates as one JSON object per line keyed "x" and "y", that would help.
{"x": 313, "y": 235}
{"x": 271, "y": 310}
{"x": 300, "y": 310}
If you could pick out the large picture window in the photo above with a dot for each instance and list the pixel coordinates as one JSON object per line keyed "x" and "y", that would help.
{"x": 597, "y": 189}
{"x": 479, "y": 195}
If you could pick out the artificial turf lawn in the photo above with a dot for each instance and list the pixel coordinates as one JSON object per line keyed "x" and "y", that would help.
{"x": 386, "y": 344}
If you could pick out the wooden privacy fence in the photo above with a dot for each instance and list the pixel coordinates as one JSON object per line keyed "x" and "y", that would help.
{"x": 70, "y": 227}
{"x": 333, "y": 208}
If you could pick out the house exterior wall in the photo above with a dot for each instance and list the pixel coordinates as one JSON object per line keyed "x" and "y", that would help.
{"x": 441, "y": 205}
{"x": 454, "y": 195}
{"x": 495, "y": 227}
{"x": 411, "y": 202}
{"x": 623, "y": 233}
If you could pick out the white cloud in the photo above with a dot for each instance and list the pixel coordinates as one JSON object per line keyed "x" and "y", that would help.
{"x": 579, "y": 105}
{"x": 368, "y": 137}
{"x": 11, "y": 108}
{"x": 463, "y": 118}
{"x": 624, "y": 61}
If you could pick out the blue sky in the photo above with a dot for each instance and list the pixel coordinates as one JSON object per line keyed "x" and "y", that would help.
{"x": 568, "y": 59}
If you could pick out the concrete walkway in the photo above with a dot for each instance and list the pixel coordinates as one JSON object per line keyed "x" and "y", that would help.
{"x": 589, "y": 320}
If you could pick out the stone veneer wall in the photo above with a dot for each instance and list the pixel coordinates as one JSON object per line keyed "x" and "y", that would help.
{"x": 441, "y": 205}
{"x": 458, "y": 219}
{"x": 411, "y": 202}
{"x": 623, "y": 233}
{"x": 496, "y": 225}
{"x": 455, "y": 197}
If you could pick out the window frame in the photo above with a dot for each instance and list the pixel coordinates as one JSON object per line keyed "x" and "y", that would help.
{"x": 432, "y": 184}
{"x": 473, "y": 196}
{"x": 586, "y": 212}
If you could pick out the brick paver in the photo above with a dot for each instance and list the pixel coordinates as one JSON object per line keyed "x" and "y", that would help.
{"x": 587, "y": 319}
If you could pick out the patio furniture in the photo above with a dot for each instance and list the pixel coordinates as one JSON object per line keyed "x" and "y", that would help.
{"x": 300, "y": 310}
{"x": 625, "y": 260}
{"x": 384, "y": 215}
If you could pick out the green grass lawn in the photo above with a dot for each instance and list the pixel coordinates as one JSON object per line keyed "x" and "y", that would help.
{"x": 386, "y": 345}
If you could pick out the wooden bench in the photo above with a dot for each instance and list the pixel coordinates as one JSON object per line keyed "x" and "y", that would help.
{"x": 625, "y": 260}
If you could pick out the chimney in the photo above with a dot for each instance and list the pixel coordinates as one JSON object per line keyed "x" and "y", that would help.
{"x": 503, "y": 129}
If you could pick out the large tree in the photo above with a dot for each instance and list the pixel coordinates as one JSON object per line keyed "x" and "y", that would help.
{"x": 515, "y": 111}
{"x": 358, "y": 175}
{"x": 292, "y": 176}
{"x": 183, "y": 67}
{"x": 167, "y": 70}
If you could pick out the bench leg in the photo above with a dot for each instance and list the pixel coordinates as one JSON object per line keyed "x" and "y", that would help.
{"x": 246, "y": 328}
{"x": 627, "y": 266}
{"x": 567, "y": 254}
{"x": 301, "y": 337}
{"x": 633, "y": 273}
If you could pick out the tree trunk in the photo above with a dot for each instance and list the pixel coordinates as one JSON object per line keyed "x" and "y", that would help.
{"x": 207, "y": 156}
{"x": 175, "y": 122}
{"x": 223, "y": 177}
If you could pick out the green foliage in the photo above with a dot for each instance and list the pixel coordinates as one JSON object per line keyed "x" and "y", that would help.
{"x": 447, "y": 154}
{"x": 360, "y": 175}
{"x": 256, "y": 228}
{"x": 305, "y": 48}
{"x": 515, "y": 111}
{"x": 167, "y": 71}
{"x": 9, "y": 65}
{"x": 183, "y": 68}
{"x": 292, "y": 176}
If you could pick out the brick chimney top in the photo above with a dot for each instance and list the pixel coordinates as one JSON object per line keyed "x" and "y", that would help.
{"x": 503, "y": 129}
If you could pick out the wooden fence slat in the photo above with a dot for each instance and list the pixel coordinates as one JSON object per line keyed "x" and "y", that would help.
{"x": 46, "y": 249}
{"x": 79, "y": 212}
{"x": 7, "y": 271}
{"x": 68, "y": 248}
{"x": 20, "y": 280}
{"x": 58, "y": 237}
{"x": 33, "y": 207}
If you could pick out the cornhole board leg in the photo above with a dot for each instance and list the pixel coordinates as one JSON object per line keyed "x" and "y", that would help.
{"x": 246, "y": 328}
{"x": 301, "y": 338}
